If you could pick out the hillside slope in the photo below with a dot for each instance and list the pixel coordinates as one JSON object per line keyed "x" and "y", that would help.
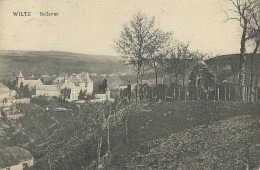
{"x": 54, "y": 62}
{"x": 228, "y": 66}
{"x": 225, "y": 144}
{"x": 160, "y": 136}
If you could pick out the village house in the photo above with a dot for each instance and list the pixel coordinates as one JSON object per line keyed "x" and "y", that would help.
{"x": 70, "y": 91}
{"x": 60, "y": 79}
{"x": 49, "y": 90}
{"x": 32, "y": 85}
{"x": 15, "y": 158}
{"x": 8, "y": 103}
{"x": 29, "y": 83}
{"x": 37, "y": 88}
{"x": 7, "y": 97}
{"x": 89, "y": 83}
{"x": 78, "y": 81}
{"x": 102, "y": 97}
{"x": 4, "y": 92}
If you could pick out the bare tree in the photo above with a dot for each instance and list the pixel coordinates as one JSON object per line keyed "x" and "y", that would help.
{"x": 138, "y": 41}
{"x": 144, "y": 69}
{"x": 186, "y": 57}
{"x": 181, "y": 60}
{"x": 157, "y": 60}
{"x": 240, "y": 11}
{"x": 254, "y": 35}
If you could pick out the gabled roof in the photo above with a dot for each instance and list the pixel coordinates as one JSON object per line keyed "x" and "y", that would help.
{"x": 3, "y": 87}
{"x": 76, "y": 79}
{"x": 85, "y": 77}
{"x": 60, "y": 79}
{"x": 69, "y": 85}
{"x": 13, "y": 155}
{"x": 33, "y": 83}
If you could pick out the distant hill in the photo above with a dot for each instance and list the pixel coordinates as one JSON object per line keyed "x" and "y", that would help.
{"x": 229, "y": 66}
{"x": 232, "y": 59}
{"x": 53, "y": 62}
{"x": 224, "y": 67}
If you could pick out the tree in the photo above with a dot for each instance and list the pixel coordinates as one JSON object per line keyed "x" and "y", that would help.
{"x": 180, "y": 60}
{"x": 240, "y": 11}
{"x": 185, "y": 55}
{"x": 26, "y": 91}
{"x": 102, "y": 87}
{"x": 157, "y": 60}
{"x": 138, "y": 41}
{"x": 81, "y": 95}
{"x": 254, "y": 35}
{"x": 145, "y": 67}
{"x": 220, "y": 68}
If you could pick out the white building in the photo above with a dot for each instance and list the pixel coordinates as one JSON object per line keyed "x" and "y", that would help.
{"x": 15, "y": 158}
{"x": 103, "y": 97}
{"x": 4, "y": 92}
{"x": 48, "y": 90}
{"x": 70, "y": 91}
{"x": 32, "y": 85}
{"x": 69, "y": 87}
{"x": 37, "y": 88}
{"x": 88, "y": 83}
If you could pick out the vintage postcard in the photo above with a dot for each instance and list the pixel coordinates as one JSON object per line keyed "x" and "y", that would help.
{"x": 139, "y": 84}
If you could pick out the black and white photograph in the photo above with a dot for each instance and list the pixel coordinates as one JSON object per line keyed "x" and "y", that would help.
{"x": 130, "y": 85}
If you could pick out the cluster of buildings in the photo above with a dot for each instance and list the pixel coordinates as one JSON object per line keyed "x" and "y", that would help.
{"x": 74, "y": 87}
{"x": 67, "y": 87}
{"x": 8, "y": 101}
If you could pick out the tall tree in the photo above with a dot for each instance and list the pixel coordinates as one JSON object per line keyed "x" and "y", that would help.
{"x": 186, "y": 57}
{"x": 138, "y": 41}
{"x": 180, "y": 60}
{"x": 254, "y": 35}
{"x": 240, "y": 11}
{"x": 157, "y": 60}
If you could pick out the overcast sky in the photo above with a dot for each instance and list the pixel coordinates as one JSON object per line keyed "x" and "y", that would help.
{"x": 90, "y": 26}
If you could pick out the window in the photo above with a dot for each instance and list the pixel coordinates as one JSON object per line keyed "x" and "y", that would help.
{"x": 25, "y": 165}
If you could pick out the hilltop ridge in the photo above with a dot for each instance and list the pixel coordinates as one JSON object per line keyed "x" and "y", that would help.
{"x": 53, "y": 62}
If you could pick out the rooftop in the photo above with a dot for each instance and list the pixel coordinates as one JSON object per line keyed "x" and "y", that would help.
{"x": 2, "y": 86}
{"x": 13, "y": 155}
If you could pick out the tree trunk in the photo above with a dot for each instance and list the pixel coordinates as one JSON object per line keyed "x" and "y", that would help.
{"x": 183, "y": 80}
{"x": 234, "y": 78}
{"x": 242, "y": 61}
{"x": 163, "y": 78}
{"x": 176, "y": 78}
{"x": 126, "y": 124}
{"x": 49, "y": 162}
{"x": 138, "y": 83}
{"x": 99, "y": 151}
{"x": 108, "y": 136}
{"x": 252, "y": 71}
{"x": 171, "y": 78}
{"x": 156, "y": 77}
{"x": 142, "y": 76}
